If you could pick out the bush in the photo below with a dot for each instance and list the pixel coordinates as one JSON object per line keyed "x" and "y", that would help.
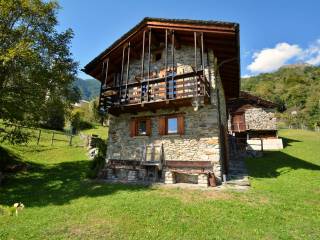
{"x": 99, "y": 160}
{"x": 85, "y": 125}
{"x": 77, "y": 123}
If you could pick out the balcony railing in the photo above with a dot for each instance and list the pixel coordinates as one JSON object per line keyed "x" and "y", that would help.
{"x": 187, "y": 85}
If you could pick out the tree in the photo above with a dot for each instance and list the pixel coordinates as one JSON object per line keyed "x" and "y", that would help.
{"x": 36, "y": 65}
{"x": 296, "y": 88}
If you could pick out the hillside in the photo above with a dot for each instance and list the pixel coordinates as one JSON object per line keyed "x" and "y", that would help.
{"x": 296, "y": 88}
{"x": 282, "y": 203}
{"x": 89, "y": 88}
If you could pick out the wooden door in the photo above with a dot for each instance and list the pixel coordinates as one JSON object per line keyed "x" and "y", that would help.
{"x": 238, "y": 122}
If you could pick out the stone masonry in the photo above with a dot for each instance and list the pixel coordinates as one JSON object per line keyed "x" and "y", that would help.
{"x": 260, "y": 119}
{"x": 201, "y": 139}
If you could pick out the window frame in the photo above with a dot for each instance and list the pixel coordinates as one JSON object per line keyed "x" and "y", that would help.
{"x": 138, "y": 121}
{"x": 134, "y": 127}
{"x": 167, "y": 125}
{"x": 164, "y": 122}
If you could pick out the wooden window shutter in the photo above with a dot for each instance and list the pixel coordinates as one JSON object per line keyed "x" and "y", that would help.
{"x": 133, "y": 127}
{"x": 148, "y": 127}
{"x": 162, "y": 126}
{"x": 181, "y": 125}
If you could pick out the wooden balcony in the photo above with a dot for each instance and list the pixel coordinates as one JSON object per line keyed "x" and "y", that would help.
{"x": 151, "y": 94}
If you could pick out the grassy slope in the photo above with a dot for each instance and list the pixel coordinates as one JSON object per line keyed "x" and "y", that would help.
{"x": 99, "y": 130}
{"x": 283, "y": 203}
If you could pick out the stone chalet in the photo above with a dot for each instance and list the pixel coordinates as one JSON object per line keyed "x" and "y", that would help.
{"x": 253, "y": 123}
{"x": 164, "y": 88}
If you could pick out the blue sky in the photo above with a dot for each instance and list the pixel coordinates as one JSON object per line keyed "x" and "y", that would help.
{"x": 272, "y": 33}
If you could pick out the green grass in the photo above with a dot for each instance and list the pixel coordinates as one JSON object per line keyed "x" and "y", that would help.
{"x": 99, "y": 130}
{"x": 283, "y": 202}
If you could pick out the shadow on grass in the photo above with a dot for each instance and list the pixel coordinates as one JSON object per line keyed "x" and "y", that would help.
{"x": 8, "y": 157}
{"x": 56, "y": 184}
{"x": 276, "y": 163}
{"x": 287, "y": 141}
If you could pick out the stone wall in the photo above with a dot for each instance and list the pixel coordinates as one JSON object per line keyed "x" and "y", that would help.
{"x": 260, "y": 119}
{"x": 199, "y": 143}
{"x": 183, "y": 57}
{"x": 201, "y": 139}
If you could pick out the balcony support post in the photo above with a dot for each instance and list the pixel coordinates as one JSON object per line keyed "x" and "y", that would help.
{"x": 121, "y": 78}
{"x": 172, "y": 56}
{"x": 202, "y": 64}
{"x": 142, "y": 63}
{"x": 106, "y": 75}
{"x": 101, "y": 86}
{"x": 149, "y": 60}
{"x": 142, "y": 54}
{"x": 166, "y": 60}
{"x": 195, "y": 62}
{"x": 128, "y": 67}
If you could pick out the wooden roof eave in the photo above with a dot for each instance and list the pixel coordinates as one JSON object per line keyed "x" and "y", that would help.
{"x": 226, "y": 31}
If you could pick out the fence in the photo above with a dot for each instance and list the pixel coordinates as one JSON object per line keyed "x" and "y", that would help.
{"x": 50, "y": 137}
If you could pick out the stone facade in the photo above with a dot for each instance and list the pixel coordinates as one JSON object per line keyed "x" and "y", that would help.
{"x": 201, "y": 140}
{"x": 260, "y": 119}
{"x": 199, "y": 143}
{"x": 183, "y": 57}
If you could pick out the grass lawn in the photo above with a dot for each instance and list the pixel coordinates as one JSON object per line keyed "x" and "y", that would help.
{"x": 99, "y": 130}
{"x": 283, "y": 202}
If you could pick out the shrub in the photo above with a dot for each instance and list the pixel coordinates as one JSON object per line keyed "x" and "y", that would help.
{"x": 99, "y": 160}
{"x": 85, "y": 125}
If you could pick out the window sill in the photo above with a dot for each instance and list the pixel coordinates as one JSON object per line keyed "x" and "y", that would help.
{"x": 172, "y": 135}
{"x": 141, "y": 136}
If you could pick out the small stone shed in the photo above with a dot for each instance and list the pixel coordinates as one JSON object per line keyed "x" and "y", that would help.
{"x": 253, "y": 123}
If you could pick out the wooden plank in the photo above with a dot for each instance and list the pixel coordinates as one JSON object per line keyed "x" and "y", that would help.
{"x": 199, "y": 164}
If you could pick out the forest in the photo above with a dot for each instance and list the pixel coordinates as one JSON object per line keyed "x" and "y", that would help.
{"x": 295, "y": 88}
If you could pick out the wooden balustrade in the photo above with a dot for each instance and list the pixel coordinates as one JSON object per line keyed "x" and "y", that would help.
{"x": 187, "y": 85}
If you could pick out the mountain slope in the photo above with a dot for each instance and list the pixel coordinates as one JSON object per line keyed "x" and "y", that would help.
{"x": 297, "y": 88}
{"x": 89, "y": 88}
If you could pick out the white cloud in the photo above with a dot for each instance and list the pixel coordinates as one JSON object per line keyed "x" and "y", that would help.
{"x": 270, "y": 59}
{"x": 246, "y": 76}
{"x": 312, "y": 54}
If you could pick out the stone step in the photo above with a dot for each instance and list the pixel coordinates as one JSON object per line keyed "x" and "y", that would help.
{"x": 238, "y": 182}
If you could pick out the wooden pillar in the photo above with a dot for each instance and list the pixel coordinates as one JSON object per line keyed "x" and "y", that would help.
{"x": 166, "y": 61}
{"x": 121, "y": 78}
{"x": 195, "y": 62}
{"x": 142, "y": 63}
{"x": 101, "y": 85}
{"x": 149, "y": 64}
{"x": 202, "y": 52}
{"x": 172, "y": 58}
{"x": 202, "y": 65}
{"x": 128, "y": 68}
{"x": 106, "y": 74}
{"x": 142, "y": 55}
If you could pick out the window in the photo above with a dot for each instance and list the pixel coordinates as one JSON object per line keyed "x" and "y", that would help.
{"x": 140, "y": 127}
{"x": 171, "y": 125}
{"x": 158, "y": 56}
